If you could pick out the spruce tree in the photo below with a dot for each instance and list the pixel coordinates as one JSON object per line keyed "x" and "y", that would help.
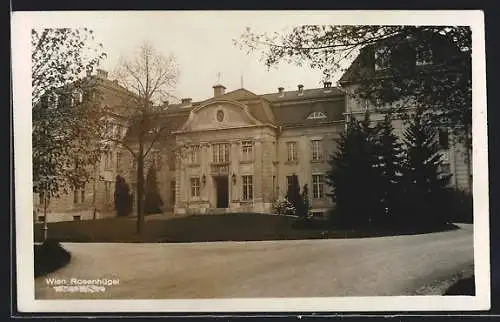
{"x": 390, "y": 156}
{"x": 424, "y": 184}
{"x": 122, "y": 197}
{"x": 153, "y": 201}
{"x": 351, "y": 176}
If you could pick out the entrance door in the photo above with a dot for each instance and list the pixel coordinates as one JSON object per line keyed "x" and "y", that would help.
{"x": 222, "y": 192}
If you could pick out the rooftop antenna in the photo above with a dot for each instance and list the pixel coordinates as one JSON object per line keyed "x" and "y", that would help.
{"x": 218, "y": 78}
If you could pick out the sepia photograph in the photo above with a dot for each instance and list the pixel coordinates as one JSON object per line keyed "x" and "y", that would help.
{"x": 204, "y": 161}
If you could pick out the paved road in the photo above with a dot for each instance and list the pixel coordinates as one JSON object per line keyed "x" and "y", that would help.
{"x": 403, "y": 265}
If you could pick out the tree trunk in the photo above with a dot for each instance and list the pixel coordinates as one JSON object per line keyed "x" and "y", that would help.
{"x": 140, "y": 187}
{"x": 45, "y": 223}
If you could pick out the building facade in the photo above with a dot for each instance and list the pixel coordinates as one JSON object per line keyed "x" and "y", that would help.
{"x": 237, "y": 151}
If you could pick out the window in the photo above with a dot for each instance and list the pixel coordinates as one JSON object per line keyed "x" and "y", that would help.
{"x": 292, "y": 151}
{"x": 316, "y": 116}
{"x": 118, "y": 159}
{"x": 423, "y": 56}
{"x": 195, "y": 187}
{"x": 76, "y": 98}
{"x": 275, "y": 187}
{"x": 445, "y": 168}
{"x": 118, "y": 131}
{"x": 75, "y": 196}
{"x": 194, "y": 154}
{"x": 82, "y": 194}
{"x": 317, "y": 186}
{"x": 172, "y": 191}
{"x": 247, "y": 182}
{"x": 317, "y": 214}
{"x": 155, "y": 159}
{"x": 289, "y": 182}
{"x": 316, "y": 150}
{"x": 171, "y": 163}
{"x": 107, "y": 191}
{"x": 220, "y": 152}
{"x": 53, "y": 101}
{"x": 443, "y": 138}
{"x": 382, "y": 55}
{"x": 247, "y": 151}
{"x": 108, "y": 157}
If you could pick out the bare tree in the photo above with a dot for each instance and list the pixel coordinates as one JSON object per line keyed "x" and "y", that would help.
{"x": 150, "y": 76}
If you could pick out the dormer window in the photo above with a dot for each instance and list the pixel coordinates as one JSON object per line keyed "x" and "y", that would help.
{"x": 423, "y": 57}
{"x": 382, "y": 58}
{"x": 316, "y": 116}
{"x": 52, "y": 100}
{"x": 76, "y": 97}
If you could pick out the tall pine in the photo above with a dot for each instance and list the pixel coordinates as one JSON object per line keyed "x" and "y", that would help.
{"x": 390, "y": 159}
{"x": 424, "y": 184}
{"x": 352, "y": 175}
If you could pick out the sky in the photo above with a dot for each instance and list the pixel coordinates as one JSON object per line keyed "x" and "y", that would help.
{"x": 202, "y": 41}
{"x": 203, "y": 46}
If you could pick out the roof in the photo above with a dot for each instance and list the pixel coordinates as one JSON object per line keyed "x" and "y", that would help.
{"x": 285, "y": 109}
{"x": 444, "y": 53}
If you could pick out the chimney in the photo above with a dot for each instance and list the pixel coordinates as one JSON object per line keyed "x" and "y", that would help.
{"x": 165, "y": 103}
{"x": 186, "y": 102}
{"x": 219, "y": 90}
{"x": 327, "y": 86}
{"x": 301, "y": 89}
{"x": 101, "y": 73}
{"x": 281, "y": 91}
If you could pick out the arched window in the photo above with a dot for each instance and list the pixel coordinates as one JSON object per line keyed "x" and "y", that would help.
{"x": 316, "y": 116}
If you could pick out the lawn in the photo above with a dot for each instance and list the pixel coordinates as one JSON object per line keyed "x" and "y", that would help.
{"x": 197, "y": 228}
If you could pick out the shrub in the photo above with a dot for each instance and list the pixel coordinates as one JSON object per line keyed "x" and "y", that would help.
{"x": 457, "y": 205}
{"x": 283, "y": 207}
{"x": 49, "y": 257}
{"x": 152, "y": 201}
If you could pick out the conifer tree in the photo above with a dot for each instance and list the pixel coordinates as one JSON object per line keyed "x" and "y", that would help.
{"x": 122, "y": 198}
{"x": 153, "y": 201}
{"x": 390, "y": 155}
{"x": 351, "y": 176}
{"x": 293, "y": 195}
{"x": 424, "y": 184}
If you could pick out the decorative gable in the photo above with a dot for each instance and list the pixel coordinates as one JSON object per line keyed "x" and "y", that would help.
{"x": 219, "y": 114}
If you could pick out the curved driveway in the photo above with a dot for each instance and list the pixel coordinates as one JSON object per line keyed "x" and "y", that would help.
{"x": 401, "y": 265}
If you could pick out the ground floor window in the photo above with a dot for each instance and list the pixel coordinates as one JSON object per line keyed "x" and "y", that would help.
{"x": 107, "y": 191}
{"x": 247, "y": 182}
{"x": 172, "y": 191}
{"x": 317, "y": 186}
{"x": 195, "y": 187}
